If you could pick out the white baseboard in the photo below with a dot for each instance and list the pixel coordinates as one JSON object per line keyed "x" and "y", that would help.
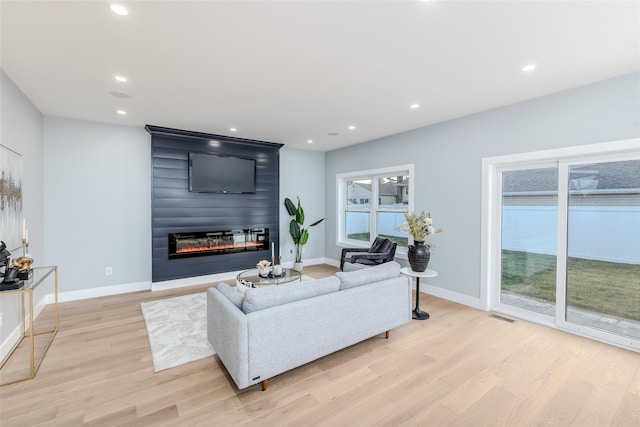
{"x": 197, "y": 280}
{"x": 8, "y": 344}
{"x": 331, "y": 261}
{"x": 100, "y": 292}
{"x": 452, "y": 296}
{"x": 15, "y": 335}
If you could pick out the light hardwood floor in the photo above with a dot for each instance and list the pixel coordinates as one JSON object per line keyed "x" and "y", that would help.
{"x": 461, "y": 367}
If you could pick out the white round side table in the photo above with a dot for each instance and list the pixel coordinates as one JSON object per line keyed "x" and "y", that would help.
{"x": 407, "y": 271}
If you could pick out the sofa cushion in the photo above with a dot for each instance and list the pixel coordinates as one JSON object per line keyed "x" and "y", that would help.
{"x": 270, "y": 296}
{"x": 231, "y": 293}
{"x": 351, "y": 279}
{"x": 354, "y": 267}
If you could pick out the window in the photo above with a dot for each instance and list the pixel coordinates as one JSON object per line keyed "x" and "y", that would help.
{"x": 370, "y": 204}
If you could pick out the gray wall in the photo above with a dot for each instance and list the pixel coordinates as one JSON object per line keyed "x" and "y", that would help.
{"x": 97, "y": 202}
{"x": 448, "y": 162}
{"x": 21, "y": 131}
{"x": 302, "y": 175}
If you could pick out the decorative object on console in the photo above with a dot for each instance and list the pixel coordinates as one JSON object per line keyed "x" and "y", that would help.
{"x": 419, "y": 227}
{"x": 299, "y": 235}
{"x": 4, "y": 258}
{"x": 23, "y": 265}
{"x": 11, "y": 280}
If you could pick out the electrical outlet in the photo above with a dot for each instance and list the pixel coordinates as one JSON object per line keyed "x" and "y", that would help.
{"x": 108, "y": 271}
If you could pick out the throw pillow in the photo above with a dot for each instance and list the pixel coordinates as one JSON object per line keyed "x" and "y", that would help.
{"x": 270, "y": 296}
{"x": 351, "y": 279}
{"x": 231, "y": 293}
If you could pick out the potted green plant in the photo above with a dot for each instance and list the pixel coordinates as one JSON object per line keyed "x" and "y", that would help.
{"x": 299, "y": 235}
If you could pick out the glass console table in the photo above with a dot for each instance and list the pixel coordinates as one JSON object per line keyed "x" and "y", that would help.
{"x": 40, "y": 275}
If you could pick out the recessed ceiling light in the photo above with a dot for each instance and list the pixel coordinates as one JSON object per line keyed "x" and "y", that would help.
{"x": 122, "y": 79}
{"x": 414, "y": 106}
{"x": 119, "y": 10}
{"x": 309, "y": 141}
{"x": 233, "y": 129}
{"x": 120, "y": 94}
{"x": 122, "y": 112}
{"x": 528, "y": 68}
{"x": 352, "y": 127}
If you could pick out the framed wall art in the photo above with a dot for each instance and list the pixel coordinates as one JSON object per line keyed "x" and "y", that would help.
{"x": 11, "y": 219}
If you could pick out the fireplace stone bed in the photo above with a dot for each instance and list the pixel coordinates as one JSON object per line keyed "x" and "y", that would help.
{"x": 219, "y": 242}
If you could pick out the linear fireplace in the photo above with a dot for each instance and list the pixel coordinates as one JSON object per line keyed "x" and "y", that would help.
{"x": 187, "y": 245}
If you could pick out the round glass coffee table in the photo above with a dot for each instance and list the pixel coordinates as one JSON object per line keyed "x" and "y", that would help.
{"x": 290, "y": 275}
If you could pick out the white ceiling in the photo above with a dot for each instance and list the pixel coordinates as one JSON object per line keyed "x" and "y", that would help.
{"x": 297, "y": 70}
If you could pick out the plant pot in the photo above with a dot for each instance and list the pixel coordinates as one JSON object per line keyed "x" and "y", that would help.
{"x": 298, "y": 266}
{"x": 264, "y": 272}
{"x": 419, "y": 255}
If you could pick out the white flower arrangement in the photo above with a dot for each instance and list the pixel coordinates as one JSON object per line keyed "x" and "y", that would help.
{"x": 264, "y": 264}
{"x": 419, "y": 226}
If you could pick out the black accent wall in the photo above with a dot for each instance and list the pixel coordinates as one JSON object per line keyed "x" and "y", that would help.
{"x": 176, "y": 210}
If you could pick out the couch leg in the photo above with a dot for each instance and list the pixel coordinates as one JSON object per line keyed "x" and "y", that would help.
{"x": 265, "y": 383}
{"x": 387, "y": 334}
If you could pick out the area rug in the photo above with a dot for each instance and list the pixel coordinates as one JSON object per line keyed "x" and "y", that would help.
{"x": 177, "y": 330}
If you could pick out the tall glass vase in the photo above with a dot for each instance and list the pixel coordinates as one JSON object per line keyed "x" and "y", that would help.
{"x": 419, "y": 255}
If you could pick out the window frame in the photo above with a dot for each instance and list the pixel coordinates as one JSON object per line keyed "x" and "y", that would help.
{"x": 374, "y": 206}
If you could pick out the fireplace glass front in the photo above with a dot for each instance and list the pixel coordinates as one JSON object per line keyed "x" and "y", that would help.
{"x": 185, "y": 245}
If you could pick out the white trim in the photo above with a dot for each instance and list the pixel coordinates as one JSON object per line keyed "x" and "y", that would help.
{"x": 379, "y": 171}
{"x": 561, "y": 244}
{"x": 100, "y": 292}
{"x": 373, "y": 209}
{"x": 8, "y": 344}
{"x": 623, "y": 146}
{"x": 486, "y": 237}
{"x": 332, "y": 262}
{"x": 15, "y": 335}
{"x": 193, "y": 281}
{"x": 449, "y": 295}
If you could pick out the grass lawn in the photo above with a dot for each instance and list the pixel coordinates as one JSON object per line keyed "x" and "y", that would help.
{"x": 401, "y": 241}
{"x": 599, "y": 286}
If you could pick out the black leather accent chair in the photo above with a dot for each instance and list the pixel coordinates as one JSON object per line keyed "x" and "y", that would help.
{"x": 382, "y": 250}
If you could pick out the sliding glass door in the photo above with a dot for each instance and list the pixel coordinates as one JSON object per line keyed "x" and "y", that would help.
{"x": 528, "y": 231}
{"x": 565, "y": 245}
{"x": 602, "y": 259}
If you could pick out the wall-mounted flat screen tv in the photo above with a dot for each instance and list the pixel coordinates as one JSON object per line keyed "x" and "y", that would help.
{"x": 212, "y": 173}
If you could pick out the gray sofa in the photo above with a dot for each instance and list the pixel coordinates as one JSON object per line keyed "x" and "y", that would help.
{"x": 272, "y": 329}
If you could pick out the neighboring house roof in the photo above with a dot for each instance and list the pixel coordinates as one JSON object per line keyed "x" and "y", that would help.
{"x": 613, "y": 177}
{"x": 386, "y": 189}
